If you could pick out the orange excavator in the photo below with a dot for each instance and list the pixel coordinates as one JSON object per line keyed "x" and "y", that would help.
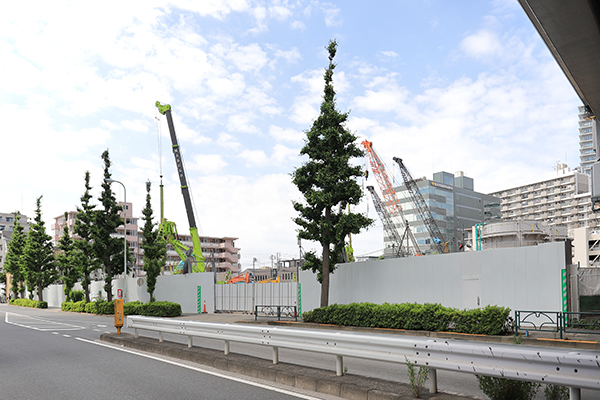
{"x": 241, "y": 278}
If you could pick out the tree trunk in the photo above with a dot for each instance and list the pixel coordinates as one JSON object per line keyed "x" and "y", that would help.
{"x": 325, "y": 269}
{"x": 40, "y": 292}
{"x": 86, "y": 287}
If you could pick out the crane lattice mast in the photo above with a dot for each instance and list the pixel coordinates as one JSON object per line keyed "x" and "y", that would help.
{"x": 390, "y": 200}
{"x": 421, "y": 206}
{"x": 388, "y": 224}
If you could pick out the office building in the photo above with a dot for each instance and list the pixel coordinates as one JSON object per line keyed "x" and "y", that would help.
{"x": 455, "y": 206}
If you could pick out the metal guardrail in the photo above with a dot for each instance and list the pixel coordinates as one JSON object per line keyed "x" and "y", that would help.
{"x": 276, "y": 311}
{"x": 575, "y": 369}
{"x": 557, "y": 321}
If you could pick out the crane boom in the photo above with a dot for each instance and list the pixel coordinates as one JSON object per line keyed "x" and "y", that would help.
{"x": 195, "y": 256}
{"x": 388, "y": 224}
{"x": 421, "y": 206}
{"x": 390, "y": 200}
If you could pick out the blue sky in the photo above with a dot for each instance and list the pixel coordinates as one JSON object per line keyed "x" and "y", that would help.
{"x": 454, "y": 86}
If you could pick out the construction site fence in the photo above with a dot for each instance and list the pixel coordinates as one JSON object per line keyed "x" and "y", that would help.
{"x": 588, "y": 282}
{"x": 244, "y": 297}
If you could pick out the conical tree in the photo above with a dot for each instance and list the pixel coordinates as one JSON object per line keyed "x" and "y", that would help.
{"x": 14, "y": 258}
{"x": 68, "y": 261}
{"x": 108, "y": 249}
{"x": 327, "y": 183}
{"x": 83, "y": 229}
{"x": 153, "y": 245}
{"x": 39, "y": 262}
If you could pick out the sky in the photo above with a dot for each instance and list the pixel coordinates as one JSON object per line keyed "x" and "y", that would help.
{"x": 466, "y": 85}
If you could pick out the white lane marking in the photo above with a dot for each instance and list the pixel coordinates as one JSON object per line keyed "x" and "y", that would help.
{"x": 55, "y": 333}
{"x": 102, "y": 326}
{"x": 66, "y": 335}
{"x": 231, "y": 378}
{"x": 38, "y": 324}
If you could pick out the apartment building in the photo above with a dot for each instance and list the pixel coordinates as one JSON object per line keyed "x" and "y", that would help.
{"x": 221, "y": 250}
{"x": 564, "y": 200}
{"x": 7, "y": 225}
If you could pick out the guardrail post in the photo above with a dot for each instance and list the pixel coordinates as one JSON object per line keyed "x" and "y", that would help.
{"x": 574, "y": 393}
{"x": 160, "y": 337}
{"x": 190, "y": 341}
{"x": 226, "y": 349}
{"x": 278, "y": 313}
{"x": 137, "y": 335}
{"x": 275, "y": 355}
{"x": 432, "y": 380}
{"x": 339, "y": 365}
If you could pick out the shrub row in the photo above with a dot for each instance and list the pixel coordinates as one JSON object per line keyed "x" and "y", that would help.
{"x": 490, "y": 320}
{"x": 29, "y": 303}
{"x": 154, "y": 309}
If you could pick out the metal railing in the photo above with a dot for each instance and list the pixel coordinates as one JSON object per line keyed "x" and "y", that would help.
{"x": 564, "y": 367}
{"x": 276, "y": 311}
{"x": 557, "y": 322}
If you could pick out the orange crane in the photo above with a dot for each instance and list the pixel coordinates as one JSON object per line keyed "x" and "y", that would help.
{"x": 390, "y": 200}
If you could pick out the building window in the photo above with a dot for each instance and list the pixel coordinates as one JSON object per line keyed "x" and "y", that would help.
{"x": 9, "y": 219}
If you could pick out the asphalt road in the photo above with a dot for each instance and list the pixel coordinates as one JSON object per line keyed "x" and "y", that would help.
{"x": 71, "y": 329}
{"x": 50, "y": 355}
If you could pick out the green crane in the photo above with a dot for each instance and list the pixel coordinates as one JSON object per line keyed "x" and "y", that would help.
{"x": 192, "y": 259}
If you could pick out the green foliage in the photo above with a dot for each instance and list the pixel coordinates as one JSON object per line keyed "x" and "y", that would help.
{"x": 76, "y": 295}
{"x": 417, "y": 379}
{"x": 78, "y": 306}
{"x": 489, "y": 320}
{"x": 161, "y": 309}
{"x": 83, "y": 228}
{"x": 132, "y": 308}
{"x": 67, "y": 260}
{"x": 38, "y": 255}
{"x": 153, "y": 309}
{"x": 29, "y": 303}
{"x": 108, "y": 249}
{"x": 153, "y": 245}
{"x": 507, "y": 389}
{"x": 14, "y": 263}
{"x": 555, "y": 392}
{"x": 327, "y": 183}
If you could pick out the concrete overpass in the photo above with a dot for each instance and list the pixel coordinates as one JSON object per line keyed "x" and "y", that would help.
{"x": 571, "y": 30}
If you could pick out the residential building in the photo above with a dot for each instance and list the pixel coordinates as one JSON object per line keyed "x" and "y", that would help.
{"x": 133, "y": 241}
{"x": 455, "y": 206}
{"x": 7, "y": 224}
{"x": 222, "y": 249}
{"x": 588, "y": 140}
{"x": 226, "y": 255}
{"x": 563, "y": 200}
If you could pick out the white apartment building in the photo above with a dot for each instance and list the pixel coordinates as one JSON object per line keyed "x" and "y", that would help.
{"x": 564, "y": 200}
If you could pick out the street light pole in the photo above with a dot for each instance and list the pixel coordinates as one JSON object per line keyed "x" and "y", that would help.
{"x": 124, "y": 233}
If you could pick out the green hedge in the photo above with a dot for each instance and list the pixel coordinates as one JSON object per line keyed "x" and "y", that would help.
{"x": 490, "y": 320}
{"x": 154, "y": 309}
{"x": 29, "y": 303}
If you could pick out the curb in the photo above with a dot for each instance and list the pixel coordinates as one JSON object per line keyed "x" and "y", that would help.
{"x": 348, "y": 386}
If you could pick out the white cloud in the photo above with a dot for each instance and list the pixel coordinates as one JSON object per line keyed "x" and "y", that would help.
{"x": 207, "y": 164}
{"x": 254, "y": 158}
{"x": 299, "y": 25}
{"x": 136, "y": 125}
{"x": 286, "y": 134}
{"x": 483, "y": 44}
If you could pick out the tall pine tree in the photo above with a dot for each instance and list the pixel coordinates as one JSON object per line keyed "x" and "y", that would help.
{"x": 327, "y": 183}
{"x": 83, "y": 229}
{"x": 39, "y": 261}
{"x": 108, "y": 248}
{"x": 153, "y": 245}
{"x": 68, "y": 260}
{"x": 14, "y": 258}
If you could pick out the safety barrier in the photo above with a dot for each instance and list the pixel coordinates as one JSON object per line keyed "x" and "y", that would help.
{"x": 276, "y": 311}
{"x": 564, "y": 367}
{"x": 557, "y": 321}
